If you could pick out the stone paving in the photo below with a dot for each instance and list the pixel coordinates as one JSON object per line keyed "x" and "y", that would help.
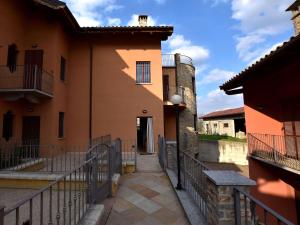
{"x": 146, "y": 197}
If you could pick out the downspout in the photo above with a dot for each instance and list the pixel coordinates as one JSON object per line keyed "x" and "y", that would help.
{"x": 91, "y": 96}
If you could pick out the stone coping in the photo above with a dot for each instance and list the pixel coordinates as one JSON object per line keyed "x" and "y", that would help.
{"x": 93, "y": 215}
{"x": 228, "y": 178}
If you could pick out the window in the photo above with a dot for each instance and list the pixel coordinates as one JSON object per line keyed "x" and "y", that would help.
{"x": 12, "y": 58}
{"x": 62, "y": 69}
{"x": 61, "y": 127}
{"x": 226, "y": 125}
{"x": 215, "y": 125}
{"x": 193, "y": 85}
{"x": 7, "y": 130}
{"x": 195, "y": 122}
{"x": 143, "y": 74}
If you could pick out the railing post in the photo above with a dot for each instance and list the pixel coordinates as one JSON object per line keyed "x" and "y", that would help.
{"x": 2, "y": 215}
{"x": 237, "y": 207}
{"x": 35, "y": 76}
{"x": 110, "y": 169}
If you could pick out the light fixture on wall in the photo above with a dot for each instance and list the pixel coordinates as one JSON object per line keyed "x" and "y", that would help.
{"x": 145, "y": 111}
{"x": 35, "y": 45}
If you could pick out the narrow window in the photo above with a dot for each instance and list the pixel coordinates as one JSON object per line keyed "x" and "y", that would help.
{"x": 226, "y": 125}
{"x": 61, "y": 125}
{"x": 62, "y": 69}
{"x": 215, "y": 125}
{"x": 143, "y": 74}
{"x": 7, "y": 131}
{"x": 195, "y": 122}
{"x": 193, "y": 85}
{"x": 12, "y": 58}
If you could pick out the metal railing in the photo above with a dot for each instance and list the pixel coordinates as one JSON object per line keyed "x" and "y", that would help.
{"x": 129, "y": 152}
{"x": 26, "y": 77}
{"x": 279, "y": 149}
{"x": 168, "y": 60}
{"x": 194, "y": 180}
{"x": 249, "y": 210}
{"x": 30, "y": 156}
{"x": 170, "y": 91}
{"x": 186, "y": 60}
{"x": 67, "y": 199}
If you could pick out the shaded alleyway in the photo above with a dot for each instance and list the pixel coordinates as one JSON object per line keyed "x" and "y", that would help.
{"x": 146, "y": 197}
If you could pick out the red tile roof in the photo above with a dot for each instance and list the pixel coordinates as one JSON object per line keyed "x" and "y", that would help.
{"x": 224, "y": 113}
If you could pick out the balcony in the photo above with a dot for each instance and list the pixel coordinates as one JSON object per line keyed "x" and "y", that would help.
{"x": 168, "y": 60}
{"x": 279, "y": 150}
{"x": 26, "y": 81}
{"x": 170, "y": 91}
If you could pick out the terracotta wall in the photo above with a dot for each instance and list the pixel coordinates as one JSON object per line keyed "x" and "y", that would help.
{"x": 117, "y": 99}
{"x": 23, "y": 29}
{"x": 273, "y": 189}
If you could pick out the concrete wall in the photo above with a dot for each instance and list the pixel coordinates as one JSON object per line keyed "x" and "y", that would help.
{"x": 223, "y": 152}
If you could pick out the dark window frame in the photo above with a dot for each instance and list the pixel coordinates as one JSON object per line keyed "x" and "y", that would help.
{"x": 12, "y": 57}
{"x": 143, "y": 67}
{"x": 225, "y": 125}
{"x": 61, "y": 125}
{"x": 63, "y": 64}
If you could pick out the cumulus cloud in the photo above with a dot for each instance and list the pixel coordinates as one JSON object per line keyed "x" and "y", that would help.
{"x": 178, "y": 44}
{"x": 217, "y": 76}
{"x": 113, "y": 21}
{"x": 134, "y": 21}
{"x": 259, "y": 20}
{"x": 87, "y": 11}
{"x": 218, "y": 100}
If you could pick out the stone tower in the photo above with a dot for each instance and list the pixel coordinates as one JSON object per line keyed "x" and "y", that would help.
{"x": 295, "y": 9}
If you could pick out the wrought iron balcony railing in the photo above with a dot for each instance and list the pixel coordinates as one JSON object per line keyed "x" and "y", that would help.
{"x": 26, "y": 78}
{"x": 170, "y": 91}
{"x": 278, "y": 149}
{"x": 168, "y": 60}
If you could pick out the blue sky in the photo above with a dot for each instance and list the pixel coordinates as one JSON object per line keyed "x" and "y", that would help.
{"x": 222, "y": 36}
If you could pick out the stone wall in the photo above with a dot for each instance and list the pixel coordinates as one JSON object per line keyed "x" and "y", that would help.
{"x": 223, "y": 152}
{"x": 187, "y": 139}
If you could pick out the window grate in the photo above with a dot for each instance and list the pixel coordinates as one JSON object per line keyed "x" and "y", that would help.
{"x": 143, "y": 73}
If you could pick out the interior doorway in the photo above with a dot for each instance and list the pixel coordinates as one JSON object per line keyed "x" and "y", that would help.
{"x": 145, "y": 135}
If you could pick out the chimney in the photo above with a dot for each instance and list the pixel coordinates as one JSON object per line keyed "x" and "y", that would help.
{"x": 295, "y": 9}
{"x": 143, "y": 19}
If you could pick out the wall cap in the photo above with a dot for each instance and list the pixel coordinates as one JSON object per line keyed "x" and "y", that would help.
{"x": 228, "y": 178}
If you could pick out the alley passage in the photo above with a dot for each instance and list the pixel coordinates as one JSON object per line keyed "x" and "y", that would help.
{"x": 146, "y": 197}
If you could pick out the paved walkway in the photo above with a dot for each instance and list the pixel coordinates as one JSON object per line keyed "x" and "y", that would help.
{"x": 146, "y": 198}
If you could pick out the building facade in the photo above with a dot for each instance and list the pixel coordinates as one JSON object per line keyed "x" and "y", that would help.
{"x": 179, "y": 78}
{"x": 229, "y": 122}
{"x": 65, "y": 84}
{"x": 272, "y": 108}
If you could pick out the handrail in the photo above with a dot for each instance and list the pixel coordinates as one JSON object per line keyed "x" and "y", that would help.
{"x": 263, "y": 206}
{"x": 25, "y": 200}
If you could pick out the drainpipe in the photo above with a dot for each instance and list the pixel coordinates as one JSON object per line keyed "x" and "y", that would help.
{"x": 91, "y": 96}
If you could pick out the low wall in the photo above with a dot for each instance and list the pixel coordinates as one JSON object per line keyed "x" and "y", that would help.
{"x": 223, "y": 152}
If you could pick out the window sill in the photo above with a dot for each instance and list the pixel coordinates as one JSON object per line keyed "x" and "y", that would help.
{"x": 143, "y": 83}
{"x": 61, "y": 138}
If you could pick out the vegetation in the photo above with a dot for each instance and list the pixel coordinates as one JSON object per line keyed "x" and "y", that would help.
{"x": 217, "y": 137}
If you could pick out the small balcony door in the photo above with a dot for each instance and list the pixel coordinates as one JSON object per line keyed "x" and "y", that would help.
{"x": 31, "y": 136}
{"x": 292, "y": 128}
{"x": 33, "y": 69}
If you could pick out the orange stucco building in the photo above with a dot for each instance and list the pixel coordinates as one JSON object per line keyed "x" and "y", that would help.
{"x": 272, "y": 110}
{"x": 53, "y": 70}
{"x": 65, "y": 84}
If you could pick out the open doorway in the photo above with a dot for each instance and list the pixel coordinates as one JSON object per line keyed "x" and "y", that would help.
{"x": 145, "y": 136}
